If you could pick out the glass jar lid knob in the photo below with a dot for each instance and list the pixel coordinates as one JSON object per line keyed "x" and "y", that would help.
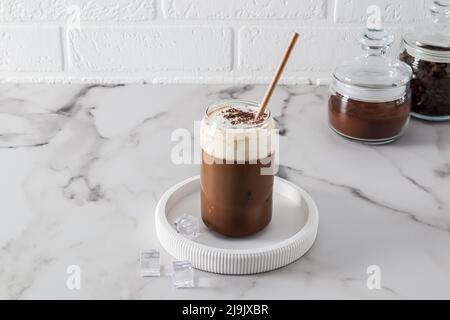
{"x": 376, "y": 41}
{"x": 441, "y": 9}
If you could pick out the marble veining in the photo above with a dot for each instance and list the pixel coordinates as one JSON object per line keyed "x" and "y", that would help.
{"x": 86, "y": 195}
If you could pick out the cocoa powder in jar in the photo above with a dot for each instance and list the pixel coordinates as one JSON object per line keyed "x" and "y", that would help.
{"x": 368, "y": 120}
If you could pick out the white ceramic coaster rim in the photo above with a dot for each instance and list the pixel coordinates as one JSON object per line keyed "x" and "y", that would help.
{"x": 236, "y": 261}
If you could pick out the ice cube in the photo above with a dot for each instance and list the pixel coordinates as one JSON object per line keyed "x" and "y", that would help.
{"x": 183, "y": 274}
{"x": 187, "y": 226}
{"x": 150, "y": 265}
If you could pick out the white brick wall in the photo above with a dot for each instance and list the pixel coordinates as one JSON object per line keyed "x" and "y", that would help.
{"x": 168, "y": 48}
{"x": 394, "y": 11}
{"x": 91, "y": 10}
{"x": 241, "y": 9}
{"x": 314, "y": 52}
{"x": 209, "y": 41}
{"x": 25, "y": 48}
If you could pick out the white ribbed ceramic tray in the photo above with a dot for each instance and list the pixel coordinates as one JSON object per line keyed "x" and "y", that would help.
{"x": 290, "y": 234}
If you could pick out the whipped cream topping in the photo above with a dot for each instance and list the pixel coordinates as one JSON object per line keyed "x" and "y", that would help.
{"x": 230, "y": 132}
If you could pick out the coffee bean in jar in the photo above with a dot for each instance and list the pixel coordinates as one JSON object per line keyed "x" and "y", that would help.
{"x": 370, "y": 98}
{"x": 427, "y": 50}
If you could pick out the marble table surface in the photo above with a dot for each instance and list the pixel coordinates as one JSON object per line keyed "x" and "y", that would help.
{"x": 87, "y": 196}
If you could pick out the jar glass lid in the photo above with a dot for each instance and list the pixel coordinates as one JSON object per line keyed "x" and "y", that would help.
{"x": 373, "y": 76}
{"x": 431, "y": 42}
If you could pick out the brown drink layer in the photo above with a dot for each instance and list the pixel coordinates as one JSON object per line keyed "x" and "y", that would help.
{"x": 236, "y": 199}
{"x": 368, "y": 120}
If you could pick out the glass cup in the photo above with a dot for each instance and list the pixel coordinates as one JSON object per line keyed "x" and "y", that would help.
{"x": 237, "y": 171}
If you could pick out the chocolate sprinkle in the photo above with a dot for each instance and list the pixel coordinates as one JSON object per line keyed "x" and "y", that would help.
{"x": 237, "y": 116}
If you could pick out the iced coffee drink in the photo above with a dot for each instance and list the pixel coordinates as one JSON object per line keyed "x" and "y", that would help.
{"x": 237, "y": 168}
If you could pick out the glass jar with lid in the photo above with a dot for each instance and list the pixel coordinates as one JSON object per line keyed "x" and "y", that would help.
{"x": 370, "y": 97}
{"x": 427, "y": 50}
